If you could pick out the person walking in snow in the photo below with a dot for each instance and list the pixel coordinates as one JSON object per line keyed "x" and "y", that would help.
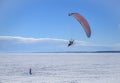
{"x": 30, "y": 71}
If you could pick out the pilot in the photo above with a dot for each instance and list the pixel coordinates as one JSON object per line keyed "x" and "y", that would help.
{"x": 70, "y": 42}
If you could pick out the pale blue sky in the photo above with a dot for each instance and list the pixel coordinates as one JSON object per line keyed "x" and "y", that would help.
{"x": 35, "y": 19}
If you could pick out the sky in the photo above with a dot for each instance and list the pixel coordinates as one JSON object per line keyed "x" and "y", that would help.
{"x": 44, "y": 25}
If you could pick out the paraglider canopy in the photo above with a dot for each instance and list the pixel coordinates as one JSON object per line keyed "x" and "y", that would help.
{"x": 83, "y": 22}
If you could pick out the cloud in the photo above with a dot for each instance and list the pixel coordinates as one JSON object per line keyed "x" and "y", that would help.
{"x": 30, "y": 40}
{"x": 24, "y": 44}
{"x": 20, "y": 39}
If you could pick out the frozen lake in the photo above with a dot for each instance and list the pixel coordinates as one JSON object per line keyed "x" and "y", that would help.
{"x": 60, "y": 68}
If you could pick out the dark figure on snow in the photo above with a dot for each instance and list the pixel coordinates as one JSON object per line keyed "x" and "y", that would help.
{"x": 30, "y": 71}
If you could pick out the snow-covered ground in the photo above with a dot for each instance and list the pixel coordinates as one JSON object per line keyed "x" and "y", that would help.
{"x": 60, "y": 68}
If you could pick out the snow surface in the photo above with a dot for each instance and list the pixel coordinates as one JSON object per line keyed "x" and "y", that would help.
{"x": 60, "y": 68}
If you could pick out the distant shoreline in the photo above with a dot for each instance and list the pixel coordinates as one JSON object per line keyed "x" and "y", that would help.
{"x": 70, "y": 52}
{"x": 82, "y": 52}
